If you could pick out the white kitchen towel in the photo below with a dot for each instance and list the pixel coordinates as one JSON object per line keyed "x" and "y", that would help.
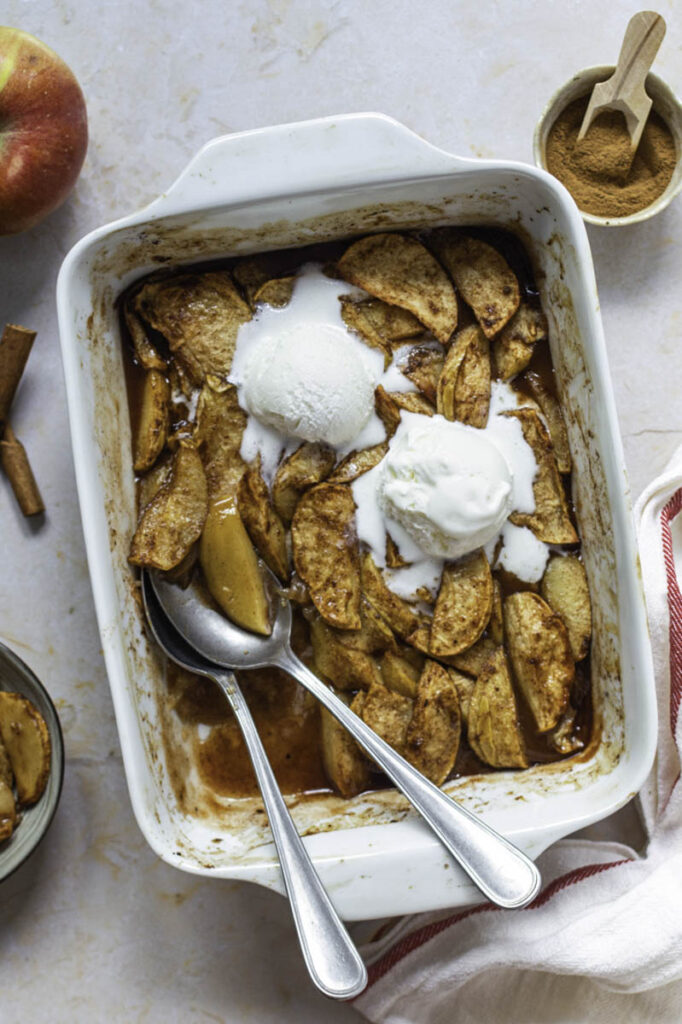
{"x": 606, "y": 913}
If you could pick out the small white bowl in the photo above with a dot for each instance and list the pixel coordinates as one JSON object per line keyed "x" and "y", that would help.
{"x": 665, "y": 103}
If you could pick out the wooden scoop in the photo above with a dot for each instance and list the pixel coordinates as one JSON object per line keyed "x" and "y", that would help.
{"x": 624, "y": 90}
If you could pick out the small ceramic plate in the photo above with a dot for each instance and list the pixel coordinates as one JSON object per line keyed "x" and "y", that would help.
{"x": 17, "y": 677}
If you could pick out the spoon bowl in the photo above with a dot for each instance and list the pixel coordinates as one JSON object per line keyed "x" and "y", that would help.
{"x": 501, "y": 871}
{"x": 215, "y": 636}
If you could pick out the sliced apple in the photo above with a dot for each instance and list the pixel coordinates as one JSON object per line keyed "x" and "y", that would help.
{"x": 564, "y": 588}
{"x": 493, "y": 722}
{"x": 401, "y": 271}
{"x": 152, "y": 428}
{"x": 389, "y": 714}
{"x": 513, "y": 347}
{"x": 174, "y": 518}
{"x": 374, "y": 635}
{"x": 483, "y": 277}
{"x": 264, "y": 526}
{"x": 199, "y": 315}
{"x": 540, "y": 653}
{"x": 463, "y": 606}
{"x": 355, "y": 318}
{"x": 277, "y": 292}
{"x": 231, "y": 569}
{"x": 423, "y": 367}
{"x": 551, "y": 410}
{"x": 399, "y": 615}
{"x": 8, "y": 811}
{"x": 27, "y": 740}
{"x": 385, "y": 325}
{"x": 346, "y": 766}
{"x": 342, "y": 666}
{"x": 308, "y": 465}
{"x": 551, "y": 521}
{"x": 400, "y": 674}
{"x": 358, "y": 462}
{"x": 220, "y": 426}
{"x": 434, "y": 731}
{"x": 145, "y": 352}
{"x": 325, "y": 549}
{"x": 463, "y": 391}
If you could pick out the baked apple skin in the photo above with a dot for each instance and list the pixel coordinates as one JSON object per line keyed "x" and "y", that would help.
{"x": 43, "y": 130}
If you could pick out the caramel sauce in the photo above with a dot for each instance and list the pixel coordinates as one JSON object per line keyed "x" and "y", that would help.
{"x": 287, "y": 719}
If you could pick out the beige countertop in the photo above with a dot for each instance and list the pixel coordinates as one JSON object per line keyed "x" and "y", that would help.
{"x": 94, "y": 927}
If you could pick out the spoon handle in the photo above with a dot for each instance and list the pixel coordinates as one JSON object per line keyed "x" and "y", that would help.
{"x": 504, "y": 874}
{"x": 332, "y": 960}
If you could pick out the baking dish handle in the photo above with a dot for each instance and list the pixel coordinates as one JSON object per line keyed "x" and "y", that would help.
{"x": 307, "y": 156}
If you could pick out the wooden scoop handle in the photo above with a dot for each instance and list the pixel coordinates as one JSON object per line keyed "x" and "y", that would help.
{"x": 643, "y": 37}
{"x": 624, "y": 90}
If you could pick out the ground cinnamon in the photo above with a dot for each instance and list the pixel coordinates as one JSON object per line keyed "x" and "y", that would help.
{"x": 597, "y": 170}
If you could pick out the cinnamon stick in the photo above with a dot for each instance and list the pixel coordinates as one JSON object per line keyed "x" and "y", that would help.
{"x": 19, "y": 473}
{"x": 15, "y": 346}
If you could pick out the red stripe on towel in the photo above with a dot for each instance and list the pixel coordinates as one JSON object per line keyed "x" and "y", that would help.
{"x": 416, "y": 939}
{"x": 670, "y": 510}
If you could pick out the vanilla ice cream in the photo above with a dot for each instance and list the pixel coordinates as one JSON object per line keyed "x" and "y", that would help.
{"x": 300, "y": 373}
{"x": 307, "y": 381}
{"x": 448, "y": 485}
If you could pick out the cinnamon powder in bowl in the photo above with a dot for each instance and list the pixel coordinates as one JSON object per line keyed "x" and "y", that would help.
{"x": 607, "y": 186}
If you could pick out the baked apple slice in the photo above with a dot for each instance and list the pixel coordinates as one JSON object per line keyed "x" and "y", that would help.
{"x": 564, "y": 588}
{"x": 308, "y": 465}
{"x": 263, "y": 525}
{"x": 8, "y": 811}
{"x": 483, "y": 278}
{"x": 345, "y": 764}
{"x": 325, "y": 550}
{"x": 174, "y": 518}
{"x": 152, "y": 427}
{"x": 463, "y": 391}
{"x": 463, "y": 605}
{"x": 541, "y": 657}
{"x": 513, "y": 347}
{"x": 199, "y": 315}
{"x": 231, "y": 569}
{"x": 550, "y": 522}
{"x": 434, "y": 731}
{"x": 493, "y": 728}
{"x": 401, "y": 271}
{"x": 27, "y": 740}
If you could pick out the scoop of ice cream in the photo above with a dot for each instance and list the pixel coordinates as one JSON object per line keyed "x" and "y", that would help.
{"x": 447, "y": 484}
{"x": 307, "y": 381}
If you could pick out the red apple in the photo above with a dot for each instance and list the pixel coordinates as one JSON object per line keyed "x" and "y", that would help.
{"x": 43, "y": 130}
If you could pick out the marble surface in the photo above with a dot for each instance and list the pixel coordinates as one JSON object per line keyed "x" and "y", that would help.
{"x": 94, "y": 928}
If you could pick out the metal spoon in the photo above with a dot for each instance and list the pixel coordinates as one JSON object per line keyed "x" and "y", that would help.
{"x": 333, "y": 962}
{"x": 504, "y": 874}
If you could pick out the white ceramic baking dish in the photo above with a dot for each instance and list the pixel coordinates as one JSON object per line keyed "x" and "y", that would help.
{"x": 287, "y": 186}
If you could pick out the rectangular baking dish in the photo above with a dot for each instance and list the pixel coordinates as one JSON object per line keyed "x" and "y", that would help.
{"x": 288, "y": 186}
